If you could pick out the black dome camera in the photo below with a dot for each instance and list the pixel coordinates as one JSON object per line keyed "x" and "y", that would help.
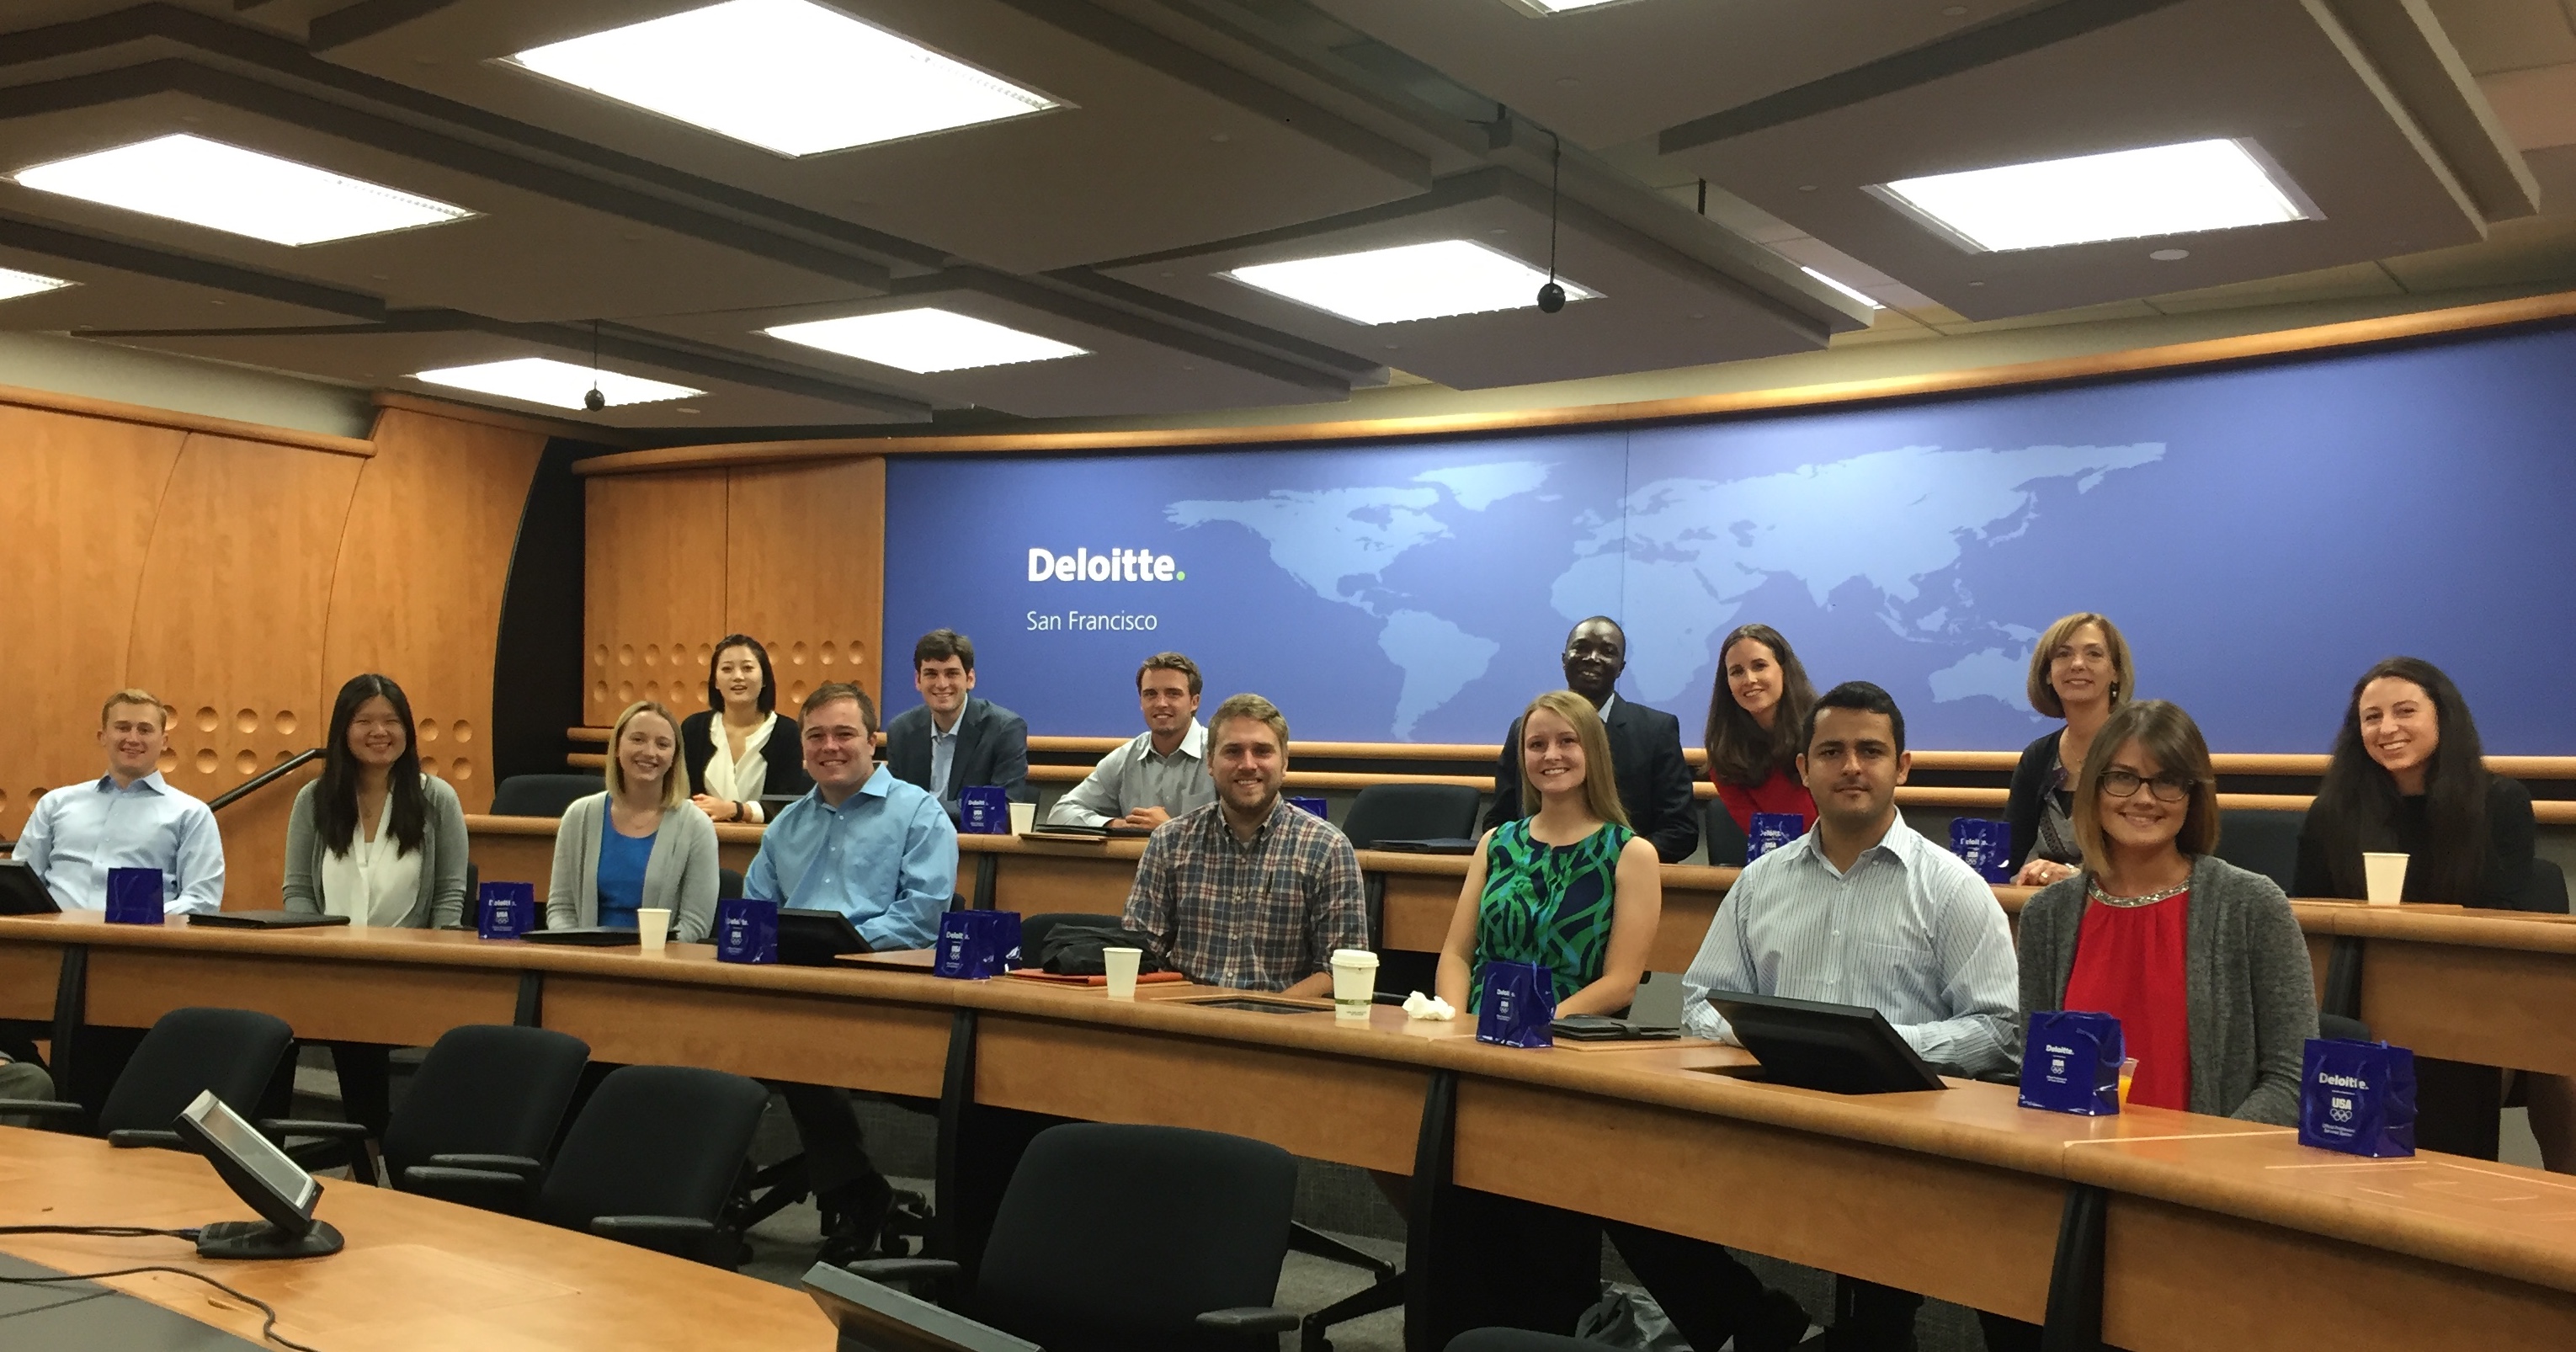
{"x": 1551, "y": 298}
{"x": 595, "y": 401}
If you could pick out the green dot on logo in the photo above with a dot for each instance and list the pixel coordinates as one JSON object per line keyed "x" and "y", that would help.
{"x": 1180, "y": 577}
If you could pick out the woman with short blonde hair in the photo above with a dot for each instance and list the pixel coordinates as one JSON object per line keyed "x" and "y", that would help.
{"x": 1568, "y": 885}
{"x": 2079, "y": 671}
{"x": 631, "y": 848}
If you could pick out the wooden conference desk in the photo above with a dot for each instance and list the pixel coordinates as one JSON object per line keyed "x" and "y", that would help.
{"x": 2492, "y": 987}
{"x": 417, "y": 1274}
{"x": 2216, "y": 1233}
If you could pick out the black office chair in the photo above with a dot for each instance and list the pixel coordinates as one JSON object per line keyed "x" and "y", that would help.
{"x": 1727, "y": 843}
{"x": 2261, "y": 840}
{"x": 240, "y": 1054}
{"x": 651, "y": 1162}
{"x": 2343, "y": 1026}
{"x": 2547, "y": 888}
{"x": 488, "y": 1098}
{"x": 1520, "y": 1340}
{"x": 1115, "y": 1237}
{"x": 1411, "y": 812}
{"x": 471, "y": 918}
{"x": 542, "y": 795}
{"x": 728, "y": 885}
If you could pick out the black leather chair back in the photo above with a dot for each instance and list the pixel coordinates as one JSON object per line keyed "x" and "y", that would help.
{"x": 1116, "y": 1237}
{"x": 1520, "y": 1340}
{"x": 653, "y": 1141}
{"x": 542, "y": 795}
{"x": 234, "y": 1052}
{"x": 2547, "y": 890}
{"x": 2261, "y": 840}
{"x": 1411, "y": 812}
{"x": 728, "y": 884}
{"x": 1727, "y": 842}
{"x": 486, "y": 1089}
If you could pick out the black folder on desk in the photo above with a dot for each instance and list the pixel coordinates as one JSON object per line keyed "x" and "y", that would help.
{"x": 265, "y": 919}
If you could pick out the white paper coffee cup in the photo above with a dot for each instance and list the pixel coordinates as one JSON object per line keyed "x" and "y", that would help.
{"x": 2383, "y": 877}
{"x": 1354, "y": 983}
{"x": 1024, "y": 818}
{"x": 653, "y": 926}
{"x": 1121, "y": 963}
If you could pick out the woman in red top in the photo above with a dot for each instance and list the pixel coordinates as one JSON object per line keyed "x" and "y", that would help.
{"x": 1760, "y": 686}
{"x": 2201, "y": 961}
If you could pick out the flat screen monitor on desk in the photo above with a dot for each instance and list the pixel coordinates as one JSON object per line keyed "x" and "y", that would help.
{"x": 1842, "y": 1049}
{"x": 874, "y": 1317}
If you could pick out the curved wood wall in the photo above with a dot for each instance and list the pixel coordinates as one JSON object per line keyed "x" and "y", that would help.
{"x": 242, "y": 576}
{"x": 791, "y": 555}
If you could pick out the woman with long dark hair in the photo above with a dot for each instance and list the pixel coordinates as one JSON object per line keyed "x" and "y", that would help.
{"x": 2409, "y": 775}
{"x": 1755, "y": 709}
{"x": 739, "y": 749}
{"x": 378, "y": 841}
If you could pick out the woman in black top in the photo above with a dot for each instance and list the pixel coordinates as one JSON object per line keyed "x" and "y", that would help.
{"x": 740, "y": 749}
{"x": 2079, "y": 671}
{"x": 2408, "y": 774}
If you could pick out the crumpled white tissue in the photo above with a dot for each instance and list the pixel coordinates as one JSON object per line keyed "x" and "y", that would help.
{"x": 1421, "y": 1006}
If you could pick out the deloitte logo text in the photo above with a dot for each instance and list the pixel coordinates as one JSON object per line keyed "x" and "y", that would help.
{"x": 1116, "y": 565}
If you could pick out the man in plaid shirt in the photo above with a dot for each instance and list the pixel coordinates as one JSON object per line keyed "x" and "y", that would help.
{"x": 1249, "y": 892}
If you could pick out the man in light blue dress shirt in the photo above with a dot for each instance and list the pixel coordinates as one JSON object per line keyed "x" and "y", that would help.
{"x": 1862, "y": 910}
{"x": 881, "y": 852}
{"x": 129, "y": 817}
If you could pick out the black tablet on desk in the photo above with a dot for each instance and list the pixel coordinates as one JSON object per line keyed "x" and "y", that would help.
{"x": 265, "y": 919}
{"x": 587, "y": 936}
{"x": 22, "y": 892}
{"x": 813, "y": 938}
{"x": 877, "y": 1317}
{"x": 1841, "y": 1049}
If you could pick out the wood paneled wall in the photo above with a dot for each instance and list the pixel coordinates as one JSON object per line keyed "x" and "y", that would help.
{"x": 242, "y": 580}
{"x": 793, "y": 555}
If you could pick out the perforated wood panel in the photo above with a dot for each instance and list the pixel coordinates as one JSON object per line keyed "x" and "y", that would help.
{"x": 654, "y": 583}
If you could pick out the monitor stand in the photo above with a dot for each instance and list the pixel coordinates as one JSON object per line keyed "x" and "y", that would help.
{"x": 259, "y": 1239}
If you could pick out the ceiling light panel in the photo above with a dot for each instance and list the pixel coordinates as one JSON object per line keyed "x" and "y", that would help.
{"x": 243, "y": 192}
{"x": 1411, "y": 281}
{"x": 1562, "y": 6}
{"x": 785, "y": 75}
{"x": 925, "y": 340}
{"x": 1852, "y": 292}
{"x": 555, "y": 384}
{"x": 14, "y": 283}
{"x": 2124, "y": 194}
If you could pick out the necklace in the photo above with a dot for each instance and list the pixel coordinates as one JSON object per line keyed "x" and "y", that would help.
{"x": 2094, "y": 890}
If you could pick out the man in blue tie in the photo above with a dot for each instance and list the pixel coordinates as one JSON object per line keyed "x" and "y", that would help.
{"x": 880, "y": 851}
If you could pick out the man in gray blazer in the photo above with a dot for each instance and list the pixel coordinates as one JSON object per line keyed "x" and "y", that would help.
{"x": 953, "y": 740}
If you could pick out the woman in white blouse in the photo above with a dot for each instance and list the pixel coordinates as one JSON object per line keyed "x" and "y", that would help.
{"x": 740, "y": 749}
{"x": 378, "y": 841}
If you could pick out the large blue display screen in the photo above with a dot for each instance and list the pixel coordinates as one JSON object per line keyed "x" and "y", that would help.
{"x": 2262, "y": 534}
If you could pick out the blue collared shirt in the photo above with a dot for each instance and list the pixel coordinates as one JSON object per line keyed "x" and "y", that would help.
{"x": 80, "y": 831}
{"x": 886, "y": 858}
{"x": 943, "y": 760}
{"x": 1909, "y": 931}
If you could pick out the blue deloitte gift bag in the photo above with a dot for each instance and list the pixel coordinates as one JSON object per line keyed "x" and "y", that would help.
{"x": 2070, "y": 1063}
{"x": 134, "y": 896}
{"x": 746, "y": 930}
{"x": 2358, "y": 1097}
{"x": 984, "y": 811}
{"x": 1771, "y": 830}
{"x": 1985, "y": 845}
{"x": 509, "y": 910}
{"x": 977, "y": 945}
{"x": 1519, "y": 1004}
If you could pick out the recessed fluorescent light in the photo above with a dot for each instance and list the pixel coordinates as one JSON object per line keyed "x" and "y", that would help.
{"x": 1410, "y": 281}
{"x": 2125, "y": 194}
{"x": 14, "y": 283}
{"x": 556, "y": 384}
{"x": 924, "y": 341}
{"x": 1561, "y": 6}
{"x": 1855, "y": 295}
{"x": 785, "y": 75}
{"x": 224, "y": 187}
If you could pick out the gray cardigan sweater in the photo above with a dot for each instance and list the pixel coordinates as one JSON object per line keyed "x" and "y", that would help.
{"x": 2246, "y": 981}
{"x": 442, "y": 867}
{"x": 680, "y": 875}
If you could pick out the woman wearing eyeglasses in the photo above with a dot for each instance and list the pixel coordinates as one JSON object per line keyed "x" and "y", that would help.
{"x": 2200, "y": 960}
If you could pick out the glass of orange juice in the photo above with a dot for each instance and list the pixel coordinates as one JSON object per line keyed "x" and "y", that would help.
{"x": 2128, "y": 1072}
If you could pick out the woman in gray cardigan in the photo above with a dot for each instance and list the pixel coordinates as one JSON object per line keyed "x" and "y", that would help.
{"x": 375, "y": 840}
{"x": 607, "y": 834}
{"x": 2202, "y": 960}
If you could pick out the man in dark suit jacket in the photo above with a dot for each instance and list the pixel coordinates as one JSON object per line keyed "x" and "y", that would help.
{"x": 952, "y": 740}
{"x": 1645, "y": 747}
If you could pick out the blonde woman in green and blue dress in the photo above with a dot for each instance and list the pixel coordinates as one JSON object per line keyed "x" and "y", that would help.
{"x": 1569, "y": 885}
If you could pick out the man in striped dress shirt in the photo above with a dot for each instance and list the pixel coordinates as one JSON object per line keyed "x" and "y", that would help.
{"x": 1862, "y": 910}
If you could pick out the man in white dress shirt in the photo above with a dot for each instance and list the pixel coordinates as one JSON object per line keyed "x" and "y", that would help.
{"x": 1862, "y": 910}
{"x": 1161, "y": 772}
